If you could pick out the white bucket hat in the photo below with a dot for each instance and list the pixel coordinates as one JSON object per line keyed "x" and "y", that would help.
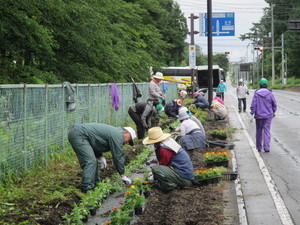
{"x": 182, "y": 115}
{"x": 158, "y": 75}
{"x": 155, "y": 135}
{"x": 132, "y": 134}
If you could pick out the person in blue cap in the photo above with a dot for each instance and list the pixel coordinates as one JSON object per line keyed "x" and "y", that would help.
{"x": 90, "y": 141}
{"x": 263, "y": 107}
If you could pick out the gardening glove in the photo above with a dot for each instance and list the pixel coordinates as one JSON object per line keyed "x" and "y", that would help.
{"x": 126, "y": 180}
{"x": 103, "y": 163}
{"x": 150, "y": 177}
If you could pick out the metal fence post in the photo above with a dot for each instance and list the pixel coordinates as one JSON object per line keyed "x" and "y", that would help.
{"x": 25, "y": 126}
{"x": 63, "y": 116}
{"x": 46, "y": 126}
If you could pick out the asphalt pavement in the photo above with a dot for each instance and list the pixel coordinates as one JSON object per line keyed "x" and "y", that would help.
{"x": 258, "y": 198}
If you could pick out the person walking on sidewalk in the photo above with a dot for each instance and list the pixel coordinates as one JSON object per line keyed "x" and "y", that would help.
{"x": 263, "y": 107}
{"x": 221, "y": 89}
{"x": 175, "y": 168}
{"x": 90, "y": 140}
{"x": 241, "y": 91}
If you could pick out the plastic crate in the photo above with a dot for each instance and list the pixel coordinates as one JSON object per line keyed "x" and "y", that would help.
{"x": 229, "y": 175}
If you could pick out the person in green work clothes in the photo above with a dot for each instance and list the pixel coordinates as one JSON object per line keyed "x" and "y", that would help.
{"x": 90, "y": 141}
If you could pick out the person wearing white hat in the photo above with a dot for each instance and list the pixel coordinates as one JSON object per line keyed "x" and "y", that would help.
{"x": 194, "y": 118}
{"x": 154, "y": 87}
{"x": 175, "y": 168}
{"x": 241, "y": 91}
{"x": 90, "y": 141}
{"x": 191, "y": 135}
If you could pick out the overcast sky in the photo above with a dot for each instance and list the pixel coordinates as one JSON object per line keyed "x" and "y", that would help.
{"x": 246, "y": 13}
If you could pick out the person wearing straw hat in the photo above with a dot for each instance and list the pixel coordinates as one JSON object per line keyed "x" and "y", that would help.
{"x": 191, "y": 135}
{"x": 154, "y": 87}
{"x": 174, "y": 168}
{"x": 90, "y": 141}
{"x": 142, "y": 113}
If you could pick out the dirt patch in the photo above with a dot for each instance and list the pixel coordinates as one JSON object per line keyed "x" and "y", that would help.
{"x": 189, "y": 206}
{"x": 292, "y": 88}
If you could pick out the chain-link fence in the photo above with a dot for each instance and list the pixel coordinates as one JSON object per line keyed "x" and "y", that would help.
{"x": 35, "y": 120}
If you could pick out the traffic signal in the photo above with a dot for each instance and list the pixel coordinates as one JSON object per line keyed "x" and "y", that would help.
{"x": 228, "y": 53}
{"x": 259, "y": 48}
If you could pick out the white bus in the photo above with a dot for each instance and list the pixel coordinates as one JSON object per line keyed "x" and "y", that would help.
{"x": 182, "y": 75}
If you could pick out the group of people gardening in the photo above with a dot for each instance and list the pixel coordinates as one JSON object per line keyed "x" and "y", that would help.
{"x": 174, "y": 168}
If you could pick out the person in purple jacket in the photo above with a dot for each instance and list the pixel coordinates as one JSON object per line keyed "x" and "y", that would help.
{"x": 263, "y": 107}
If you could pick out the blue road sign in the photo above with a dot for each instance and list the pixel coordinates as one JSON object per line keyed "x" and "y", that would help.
{"x": 222, "y": 24}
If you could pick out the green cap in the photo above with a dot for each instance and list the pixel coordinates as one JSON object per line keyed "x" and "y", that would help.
{"x": 263, "y": 82}
{"x": 159, "y": 107}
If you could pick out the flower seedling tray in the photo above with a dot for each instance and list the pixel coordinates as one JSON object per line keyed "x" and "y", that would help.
{"x": 229, "y": 175}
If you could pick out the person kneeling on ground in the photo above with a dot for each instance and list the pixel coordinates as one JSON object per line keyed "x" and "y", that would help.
{"x": 191, "y": 135}
{"x": 194, "y": 118}
{"x": 90, "y": 141}
{"x": 220, "y": 111}
{"x": 172, "y": 108}
{"x": 200, "y": 101}
{"x": 175, "y": 168}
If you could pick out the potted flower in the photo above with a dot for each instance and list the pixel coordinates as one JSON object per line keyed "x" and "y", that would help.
{"x": 207, "y": 176}
{"x": 220, "y": 134}
{"x": 118, "y": 216}
{"x": 146, "y": 188}
{"x": 216, "y": 158}
{"x": 139, "y": 201}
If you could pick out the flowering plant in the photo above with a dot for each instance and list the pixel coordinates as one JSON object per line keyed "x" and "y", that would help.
{"x": 138, "y": 183}
{"x": 215, "y": 156}
{"x": 219, "y": 132}
{"x": 139, "y": 200}
{"x": 118, "y": 216}
{"x": 206, "y": 173}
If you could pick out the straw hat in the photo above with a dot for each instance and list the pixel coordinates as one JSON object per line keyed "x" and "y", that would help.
{"x": 155, "y": 134}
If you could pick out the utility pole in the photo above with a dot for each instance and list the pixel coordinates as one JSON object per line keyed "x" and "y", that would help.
{"x": 192, "y": 17}
{"x": 273, "y": 53}
{"x": 282, "y": 60}
{"x": 209, "y": 51}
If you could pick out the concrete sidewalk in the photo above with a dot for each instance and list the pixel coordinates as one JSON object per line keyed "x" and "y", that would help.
{"x": 257, "y": 202}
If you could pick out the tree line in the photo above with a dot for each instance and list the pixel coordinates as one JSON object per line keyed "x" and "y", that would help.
{"x": 95, "y": 41}
{"x": 283, "y": 10}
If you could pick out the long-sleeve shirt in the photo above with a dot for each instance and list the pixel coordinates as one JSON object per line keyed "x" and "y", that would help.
{"x": 187, "y": 126}
{"x": 145, "y": 110}
{"x": 104, "y": 138}
{"x": 263, "y": 104}
{"x": 164, "y": 156}
{"x": 154, "y": 90}
{"x": 221, "y": 88}
{"x": 241, "y": 91}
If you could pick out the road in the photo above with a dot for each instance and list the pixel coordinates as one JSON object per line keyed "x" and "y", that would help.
{"x": 269, "y": 181}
